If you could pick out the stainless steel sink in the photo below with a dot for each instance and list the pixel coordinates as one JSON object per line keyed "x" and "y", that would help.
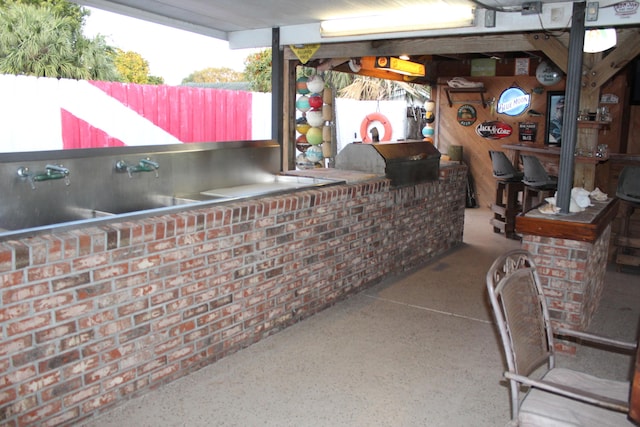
{"x": 275, "y": 184}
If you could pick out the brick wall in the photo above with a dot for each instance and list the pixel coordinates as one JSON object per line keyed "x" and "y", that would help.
{"x": 572, "y": 275}
{"x": 93, "y": 316}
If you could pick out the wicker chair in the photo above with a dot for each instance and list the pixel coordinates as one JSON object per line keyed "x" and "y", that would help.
{"x": 555, "y": 396}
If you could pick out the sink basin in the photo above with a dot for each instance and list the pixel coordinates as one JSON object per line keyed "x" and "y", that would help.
{"x": 51, "y": 216}
{"x": 275, "y": 185}
{"x": 145, "y": 203}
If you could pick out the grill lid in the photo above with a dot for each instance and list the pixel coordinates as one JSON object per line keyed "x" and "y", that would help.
{"x": 404, "y": 163}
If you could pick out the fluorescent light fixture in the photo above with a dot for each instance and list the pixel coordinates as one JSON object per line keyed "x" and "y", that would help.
{"x": 599, "y": 40}
{"x": 400, "y": 66}
{"x": 418, "y": 18}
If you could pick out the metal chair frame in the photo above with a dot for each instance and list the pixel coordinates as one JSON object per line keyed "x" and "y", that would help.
{"x": 520, "y": 309}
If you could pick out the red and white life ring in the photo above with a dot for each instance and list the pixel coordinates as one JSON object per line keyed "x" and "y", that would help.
{"x": 375, "y": 117}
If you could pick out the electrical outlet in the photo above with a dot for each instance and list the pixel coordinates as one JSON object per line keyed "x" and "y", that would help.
{"x": 489, "y": 18}
{"x": 532, "y": 8}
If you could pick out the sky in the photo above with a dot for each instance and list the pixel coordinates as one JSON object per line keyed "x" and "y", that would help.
{"x": 172, "y": 54}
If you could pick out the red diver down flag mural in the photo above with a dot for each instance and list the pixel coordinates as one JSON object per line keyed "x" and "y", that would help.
{"x": 109, "y": 114}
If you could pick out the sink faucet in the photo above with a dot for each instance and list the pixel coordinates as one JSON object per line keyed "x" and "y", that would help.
{"x": 144, "y": 165}
{"x": 24, "y": 172}
{"x": 51, "y": 172}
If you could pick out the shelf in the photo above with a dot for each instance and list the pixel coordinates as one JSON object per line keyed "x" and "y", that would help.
{"x": 480, "y": 90}
{"x": 590, "y": 124}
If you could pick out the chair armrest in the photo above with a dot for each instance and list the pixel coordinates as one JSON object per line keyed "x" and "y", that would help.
{"x": 571, "y": 392}
{"x": 598, "y": 339}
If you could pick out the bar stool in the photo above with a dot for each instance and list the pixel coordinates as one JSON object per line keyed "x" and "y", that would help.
{"x": 628, "y": 191}
{"x": 538, "y": 184}
{"x": 509, "y": 186}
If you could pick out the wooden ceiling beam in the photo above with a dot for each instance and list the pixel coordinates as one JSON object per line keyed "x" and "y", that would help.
{"x": 552, "y": 47}
{"x": 423, "y": 46}
{"x": 627, "y": 48}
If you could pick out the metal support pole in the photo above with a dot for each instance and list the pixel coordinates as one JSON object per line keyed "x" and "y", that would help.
{"x": 277, "y": 89}
{"x": 571, "y": 105}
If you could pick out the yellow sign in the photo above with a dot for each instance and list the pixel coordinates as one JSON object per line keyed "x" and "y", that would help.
{"x": 305, "y": 52}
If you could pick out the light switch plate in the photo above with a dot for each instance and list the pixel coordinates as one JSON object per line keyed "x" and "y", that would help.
{"x": 592, "y": 11}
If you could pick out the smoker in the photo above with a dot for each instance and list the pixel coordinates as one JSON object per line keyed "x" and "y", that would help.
{"x": 404, "y": 163}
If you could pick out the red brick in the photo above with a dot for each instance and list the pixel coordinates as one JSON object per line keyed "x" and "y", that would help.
{"x": 77, "y": 340}
{"x": 34, "y": 417}
{"x": 62, "y": 419}
{"x": 111, "y": 271}
{"x": 40, "y": 383}
{"x": 17, "y": 345}
{"x": 55, "y": 332}
{"x": 114, "y": 327}
{"x": 48, "y": 271}
{"x": 7, "y": 395}
{"x": 10, "y": 279}
{"x": 61, "y": 389}
{"x": 100, "y": 402}
{"x": 96, "y": 319}
{"x": 74, "y": 311}
{"x": 30, "y": 324}
{"x": 14, "y": 312}
{"x": 118, "y": 380}
{"x": 52, "y": 301}
{"x": 70, "y": 281}
{"x": 83, "y": 394}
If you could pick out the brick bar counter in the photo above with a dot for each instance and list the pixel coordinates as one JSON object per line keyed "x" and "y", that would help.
{"x": 571, "y": 254}
{"x": 93, "y": 316}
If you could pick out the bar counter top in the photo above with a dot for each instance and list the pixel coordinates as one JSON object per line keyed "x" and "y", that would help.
{"x": 585, "y": 226}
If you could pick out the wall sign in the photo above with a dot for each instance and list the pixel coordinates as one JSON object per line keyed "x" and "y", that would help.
{"x": 527, "y": 131}
{"x": 548, "y": 74}
{"x": 467, "y": 115}
{"x": 494, "y": 130}
{"x": 513, "y": 101}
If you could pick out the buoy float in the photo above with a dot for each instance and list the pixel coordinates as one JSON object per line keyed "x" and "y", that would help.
{"x": 375, "y": 117}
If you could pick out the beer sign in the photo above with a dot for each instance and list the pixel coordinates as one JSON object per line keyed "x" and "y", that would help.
{"x": 494, "y": 130}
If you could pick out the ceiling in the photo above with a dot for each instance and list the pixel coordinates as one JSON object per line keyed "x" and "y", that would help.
{"x": 249, "y": 23}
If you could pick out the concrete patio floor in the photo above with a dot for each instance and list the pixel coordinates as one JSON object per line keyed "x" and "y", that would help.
{"x": 416, "y": 350}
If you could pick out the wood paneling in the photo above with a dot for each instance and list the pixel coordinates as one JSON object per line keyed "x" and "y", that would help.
{"x": 475, "y": 148}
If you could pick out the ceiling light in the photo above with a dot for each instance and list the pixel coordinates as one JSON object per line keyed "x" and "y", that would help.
{"x": 407, "y": 19}
{"x": 400, "y": 66}
{"x": 404, "y": 57}
{"x": 599, "y": 40}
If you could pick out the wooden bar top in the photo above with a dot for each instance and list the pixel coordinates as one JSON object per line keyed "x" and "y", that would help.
{"x": 551, "y": 151}
{"x": 586, "y": 226}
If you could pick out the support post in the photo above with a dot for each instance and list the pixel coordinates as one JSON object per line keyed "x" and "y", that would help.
{"x": 571, "y": 105}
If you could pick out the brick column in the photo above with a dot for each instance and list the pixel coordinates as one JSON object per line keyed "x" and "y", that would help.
{"x": 572, "y": 274}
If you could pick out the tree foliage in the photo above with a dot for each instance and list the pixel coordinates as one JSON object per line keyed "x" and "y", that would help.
{"x": 214, "y": 75}
{"x": 258, "y": 70}
{"x": 131, "y": 66}
{"x": 37, "y": 39}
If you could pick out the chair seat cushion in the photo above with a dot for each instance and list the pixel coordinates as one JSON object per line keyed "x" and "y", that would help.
{"x": 540, "y": 408}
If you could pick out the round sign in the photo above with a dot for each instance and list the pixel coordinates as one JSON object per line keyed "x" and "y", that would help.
{"x": 513, "y": 101}
{"x": 548, "y": 74}
{"x": 467, "y": 115}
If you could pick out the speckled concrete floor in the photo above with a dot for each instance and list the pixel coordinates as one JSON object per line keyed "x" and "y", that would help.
{"x": 418, "y": 350}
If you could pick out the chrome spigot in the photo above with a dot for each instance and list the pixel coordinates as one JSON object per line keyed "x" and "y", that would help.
{"x": 150, "y": 163}
{"x": 53, "y": 172}
{"x": 24, "y": 172}
{"x": 144, "y": 165}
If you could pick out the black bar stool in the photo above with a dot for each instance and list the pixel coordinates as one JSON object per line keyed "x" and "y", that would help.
{"x": 509, "y": 186}
{"x": 628, "y": 191}
{"x": 538, "y": 184}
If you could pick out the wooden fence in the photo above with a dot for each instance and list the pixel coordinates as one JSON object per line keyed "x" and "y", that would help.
{"x": 52, "y": 114}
